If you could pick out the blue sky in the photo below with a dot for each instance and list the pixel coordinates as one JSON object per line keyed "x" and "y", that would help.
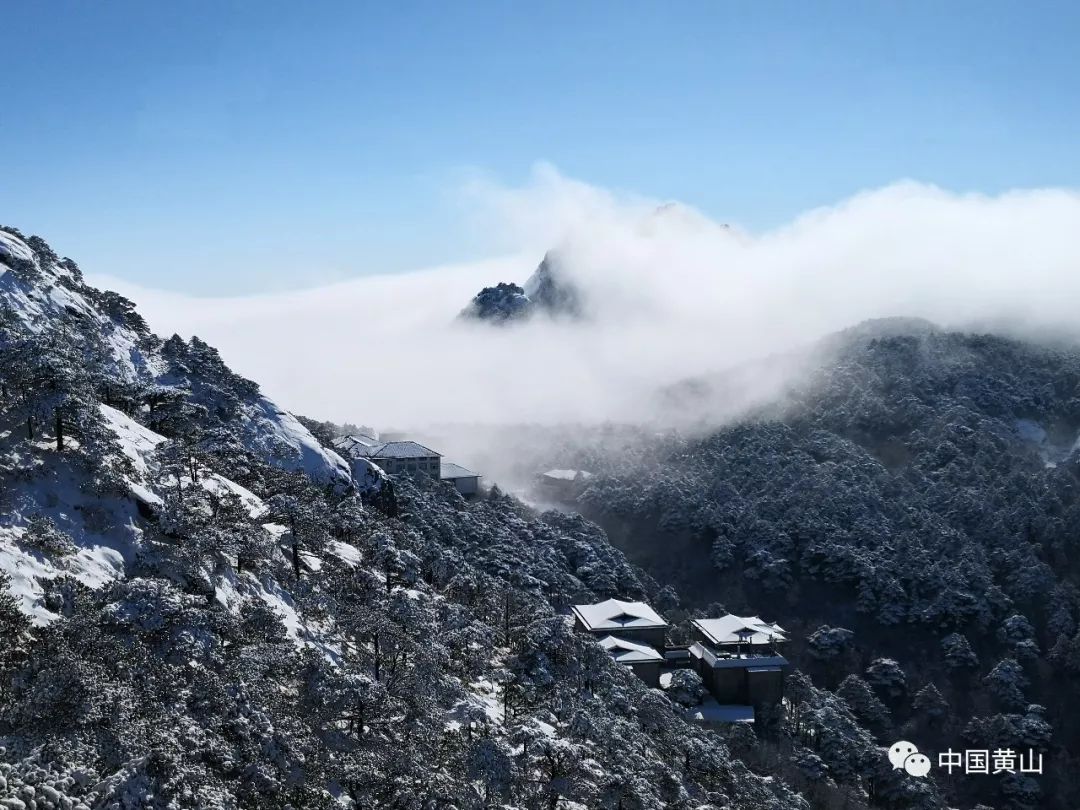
{"x": 238, "y": 147}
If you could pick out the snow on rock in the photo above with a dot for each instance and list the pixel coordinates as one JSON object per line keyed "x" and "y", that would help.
{"x": 266, "y": 429}
{"x": 226, "y": 591}
{"x": 546, "y": 729}
{"x": 232, "y": 590}
{"x": 548, "y": 290}
{"x": 53, "y": 296}
{"x": 276, "y": 530}
{"x": 482, "y": 705}
{"x": 350, "y": 555}
{"x": 15, "y": 248}
{"x": 104, "y": 530}
{"x": 278, "y": 436}
{"x": 100, "y": 558}
{"x": 26, "y": 572}
{"x": 503, "y": 303}
{"x": 367, "y": 476}
{"x": 487, "y": 696}
{"x": 94, "y": 567}
{"x": 281, "y": 602}
{"x": 217, "y": 484}
{"x": 63, "y": 298}
{"x": 136, "y": 442}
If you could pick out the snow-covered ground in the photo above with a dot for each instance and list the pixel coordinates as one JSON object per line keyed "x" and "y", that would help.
{"x": 56, "y": 492}
{"x": 93, "y": 566}
{"x": 104, "y": 529}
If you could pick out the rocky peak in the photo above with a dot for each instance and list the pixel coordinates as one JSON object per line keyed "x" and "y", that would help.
{"x": 547, "y": 291}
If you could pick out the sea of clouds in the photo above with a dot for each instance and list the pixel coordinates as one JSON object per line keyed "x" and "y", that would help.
{"x": 671, "y": 294}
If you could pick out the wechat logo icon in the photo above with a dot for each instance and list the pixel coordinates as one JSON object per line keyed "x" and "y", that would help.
{"x": 906, "y": 757}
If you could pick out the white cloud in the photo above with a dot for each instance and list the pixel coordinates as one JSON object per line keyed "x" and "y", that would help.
{"x": 675, "y": 294}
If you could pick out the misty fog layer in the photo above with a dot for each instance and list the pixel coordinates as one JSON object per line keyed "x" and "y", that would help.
{"x": 671, "y": 294}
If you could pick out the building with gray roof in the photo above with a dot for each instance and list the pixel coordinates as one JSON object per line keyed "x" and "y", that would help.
{"x": 464, "y": 480}
{"x": 395, "y": 458}
{"x": 406, "y": 457}
{"x": 642, "y": 659}
{"x": 737, "y": 659}
{"x": 635, "y": 621}
{"x": 736, "y": 631}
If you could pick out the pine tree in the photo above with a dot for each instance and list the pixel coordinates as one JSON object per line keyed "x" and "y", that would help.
{"x": 304, "y": 511}
{"x": 958, "y": 653}
{"x": 15, "y": 632}
{"x": 929, "y": 702}
{"x": 865, "y": 704}
{"x": 1007, "y": 682}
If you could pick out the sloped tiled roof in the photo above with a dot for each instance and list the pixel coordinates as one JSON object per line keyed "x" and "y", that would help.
{"x": 450, "y": 470}
{"x": 367, "y": 447}
{"x": 629, "y": 652}
{"x": 617, "y": 615}
{"x": 733, "y": 629}
{"x": 406, "y": 449}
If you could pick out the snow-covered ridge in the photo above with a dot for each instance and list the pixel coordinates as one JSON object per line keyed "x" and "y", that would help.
{"x": 44, "y": 291}
{"x": 39, "y": 291}
{"x": 11, "y": 247}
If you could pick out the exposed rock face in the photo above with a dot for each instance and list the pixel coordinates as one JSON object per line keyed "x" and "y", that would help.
{"x": 547, "y": 291}
{"x": 498, "y": 304}
{"x": 550, "y": 291}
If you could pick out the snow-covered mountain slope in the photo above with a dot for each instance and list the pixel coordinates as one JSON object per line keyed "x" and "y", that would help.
{"x": 38, "y": 289}
{"x": 230, "y": 588}
{"x": 41, "y": 293}
{"x": 213, "y": 630}
{"x": 103, "y": 526}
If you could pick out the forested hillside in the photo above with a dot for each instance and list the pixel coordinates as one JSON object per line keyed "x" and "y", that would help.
{"x": 912, "y": 512}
